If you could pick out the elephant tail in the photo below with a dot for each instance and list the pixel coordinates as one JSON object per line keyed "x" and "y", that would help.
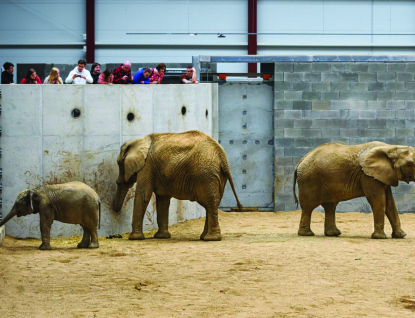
{"x": 99, "y": 207}
{"x": 295, "y": 181}
{"x": 227, "y": 172}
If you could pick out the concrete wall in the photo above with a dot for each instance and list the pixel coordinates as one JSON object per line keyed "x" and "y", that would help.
{"x": 42, "y": 143}
{"x": 349, "y": 103}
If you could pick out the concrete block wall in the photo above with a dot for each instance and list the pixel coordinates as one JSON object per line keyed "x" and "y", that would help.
{"x": 343, "y": 102}
{"x": 42, "y": 143}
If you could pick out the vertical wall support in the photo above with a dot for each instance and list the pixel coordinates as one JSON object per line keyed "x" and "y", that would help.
{"x": 90, "y": 31}
{"x": 252, "y": 33}
{"x": 196, "y": 65}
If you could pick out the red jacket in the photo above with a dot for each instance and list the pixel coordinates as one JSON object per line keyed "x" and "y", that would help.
{"x": 38, "y": 81}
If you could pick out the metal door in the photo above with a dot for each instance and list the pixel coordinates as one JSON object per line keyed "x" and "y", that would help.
{"x": 246, "y": 133}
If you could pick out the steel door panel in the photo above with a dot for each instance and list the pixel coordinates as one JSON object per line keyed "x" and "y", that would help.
{"x": 246, "y": 133}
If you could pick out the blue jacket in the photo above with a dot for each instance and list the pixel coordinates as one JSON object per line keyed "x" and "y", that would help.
{"x": 139, "y": 76}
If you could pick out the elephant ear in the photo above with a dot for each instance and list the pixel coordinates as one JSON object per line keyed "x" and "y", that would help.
{"x": 133, "y": 156}
{"x": 378, "y": 162}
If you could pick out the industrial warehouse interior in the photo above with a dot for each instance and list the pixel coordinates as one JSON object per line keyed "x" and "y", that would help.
{"x": 193, "y": 155}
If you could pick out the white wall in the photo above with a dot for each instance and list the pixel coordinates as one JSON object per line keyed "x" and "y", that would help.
{"x": 336, "y": 27}
{"x": 42, "y": 143}
{"x": 42, "y": 31}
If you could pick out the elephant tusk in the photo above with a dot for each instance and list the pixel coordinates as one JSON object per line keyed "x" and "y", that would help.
{"x": 31, "y": 202}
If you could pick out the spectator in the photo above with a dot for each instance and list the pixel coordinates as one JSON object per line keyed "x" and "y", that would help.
{"x": 189, "y": 77}
{"x": 7, "y": 74}
{"x": 122, "y": 74}
{"x": 142, "y": 76}
{"x": 53, "y": 77}
{"x": 106, "y": 77}
{"x": 31, "y": 77}
{"x": 95, "y": 72}
{"x": 158, "y": 74}
{"x": 79, "y": 75}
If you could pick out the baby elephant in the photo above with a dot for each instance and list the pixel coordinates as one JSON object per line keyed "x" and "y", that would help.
{"x": 72, "y": 202}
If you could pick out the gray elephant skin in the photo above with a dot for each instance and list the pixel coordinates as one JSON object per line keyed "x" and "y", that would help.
{"x": 333, "y": 172}
{"x": 72, "y": 202}
{"x": 187, "y": 166}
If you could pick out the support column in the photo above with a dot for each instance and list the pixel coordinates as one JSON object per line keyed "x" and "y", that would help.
{"x": 252, "y": 38}
{"x": 90, "y": 31}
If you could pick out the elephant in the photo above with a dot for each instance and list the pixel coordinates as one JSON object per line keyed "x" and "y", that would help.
{"x": 72, "y": 202}
{"x": 333, "y": 172}
{"x": 187, "y": 166}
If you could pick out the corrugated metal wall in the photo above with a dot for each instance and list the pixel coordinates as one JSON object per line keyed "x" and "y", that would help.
{"x": 47, "y": 31}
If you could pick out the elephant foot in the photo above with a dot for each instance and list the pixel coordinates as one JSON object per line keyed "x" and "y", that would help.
{"x": 136, "y": 236}
{"x": 398, "y": 234}
{"x": 83, "y": 245}
{"x": 333, "y": 231}
{"x": 379, "y": 235}
{"x": 162, "y": 235}
{"x": 45, "y": 246}
{"x": 305, "y": 232}
{"x": 211, "y": 237}
{"x": 93, "y": 245}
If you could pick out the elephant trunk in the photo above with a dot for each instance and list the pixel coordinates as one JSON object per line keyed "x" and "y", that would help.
{"x": 12, "y": 213}
{"x": 119, "y": 197}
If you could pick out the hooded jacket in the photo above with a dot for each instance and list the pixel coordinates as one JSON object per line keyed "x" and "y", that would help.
{"x": 79, "y": 80}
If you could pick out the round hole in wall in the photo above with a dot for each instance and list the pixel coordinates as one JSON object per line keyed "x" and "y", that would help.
{"x": 207, "y": 113}
{"x": 184, "y": 110}
{"x": 76, "y": 113}
{"x": 130, "y": 116}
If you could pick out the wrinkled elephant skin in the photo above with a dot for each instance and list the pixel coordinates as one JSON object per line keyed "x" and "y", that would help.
{"x": 186, "y": 166}
{"x": 332, "y": 173}
{"x": 73, "y": 202}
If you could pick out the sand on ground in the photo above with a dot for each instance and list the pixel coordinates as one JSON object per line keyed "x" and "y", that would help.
{"x": 261, "y": 268}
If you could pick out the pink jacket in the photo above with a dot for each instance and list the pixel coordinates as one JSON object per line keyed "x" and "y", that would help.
{"x": 101, "y": 79}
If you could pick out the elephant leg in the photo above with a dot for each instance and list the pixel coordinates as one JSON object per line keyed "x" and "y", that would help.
{"x": 141, "y": 200}
{"x": 205, "y": 230}
{"x": 304, "y": 228}
{"x": 94, "y": 236}
{"x": 392, "y": 214}
{"x": 212, "y": 222}
{"x": 46, "y": 221}
{"x": 330, "y": 228}
{"x": 162, "y": 206}
{"x": 86, "y": 238}
{"x": 376, "y": 196}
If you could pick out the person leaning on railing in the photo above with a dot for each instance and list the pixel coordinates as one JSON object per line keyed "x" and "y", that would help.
{"x": 79, "y": 75}
{"x": 122, "y": 74}
{"x": 189, "y": 77}
{"x": 106, "y": 77}
{"x": 142, "y": 76}
{"x": 158, "y": 74}
{"x": 31, "y": 77}
{"x": 95, "y": 72}
{"x": 7, "y": 74}
{"x": 53, "y": 77}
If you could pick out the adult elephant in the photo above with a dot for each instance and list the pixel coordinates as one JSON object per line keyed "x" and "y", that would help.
{"x": 186, "y": 166}
{"x": 332, "y": 173}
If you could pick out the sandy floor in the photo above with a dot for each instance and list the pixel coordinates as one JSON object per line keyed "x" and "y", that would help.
{"x": 261, "y": 268}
